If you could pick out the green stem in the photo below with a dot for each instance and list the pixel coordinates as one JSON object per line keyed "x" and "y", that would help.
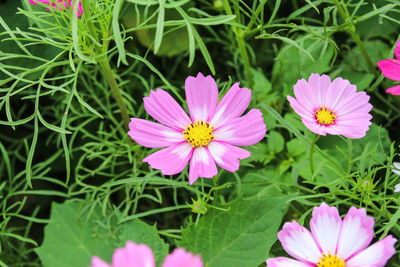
{"x": 350, "y": 153}
{"x": 102, "y": 60}
{"x": 108, "y": 74}
{"x": 312, "y": 153}
{"x": 239, "y": 33}
{"x": 352, "y": 30}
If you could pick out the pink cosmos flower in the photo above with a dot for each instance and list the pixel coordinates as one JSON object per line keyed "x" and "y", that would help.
{"x": 331, "y": 107}
{"x": 391, "y": 69}
{"x": 133, "y": 255}
{"x": 333, "y": 242}
{"x": 210, "y": 135}
{"x": 65, "y": 3}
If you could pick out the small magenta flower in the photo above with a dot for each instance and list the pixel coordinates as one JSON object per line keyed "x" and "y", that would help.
{"x": 210, "y": 135}
{"x": 331, "y": 107}
{"x": 134, "y": 255}
{"x": 391, "y": 69}
{"x": 61, "y": 3}
{"x": 333, "y": 242}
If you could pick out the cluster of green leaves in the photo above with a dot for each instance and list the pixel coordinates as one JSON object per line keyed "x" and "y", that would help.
{"x": 68, "y": 84}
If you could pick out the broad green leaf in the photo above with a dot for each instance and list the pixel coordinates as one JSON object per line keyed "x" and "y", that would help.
{"x": 74, "y": 236}
{"x": 293, "y": 63}
{"x": 71, "y": 239}
{"x": 275, "y": 141}
{"x": 241, "y": 236}
{"x": 296, "y": 147}
{"x": 142, "y": 233}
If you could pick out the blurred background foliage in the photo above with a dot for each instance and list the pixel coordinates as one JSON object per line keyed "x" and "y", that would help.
{"x": 63, "y": 135}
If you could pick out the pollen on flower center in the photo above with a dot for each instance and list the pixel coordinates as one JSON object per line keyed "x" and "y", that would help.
{"x": 331, "y": 261}
{"x": 199, "y": 133}
{"x": 325, "y": 116}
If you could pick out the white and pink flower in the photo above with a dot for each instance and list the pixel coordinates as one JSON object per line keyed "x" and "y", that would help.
{"x": 333, "y": 107}
{"x": 134, "y": 255}
{"x": 210, "y": 135}
{"x": 333, "y": 242}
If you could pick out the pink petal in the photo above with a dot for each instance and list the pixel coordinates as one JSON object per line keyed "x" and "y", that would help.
{"x": 133, "y": 256}
{"x": 170, "y": 160}
{"x": 201, "y": 97}
{"x": 35, "y": 2}
{"x": 97, "y": 262}
{"x": 151, "y": 134}
{"x": 244, "y": 131}
{"x": 395, "y": 90}
{"x": 390, "y": 68}
{"x": 319, "y": 85}
{"x": 306, "y": 95}
{"x": 232, "y": 105}
{"x": 181, "y": 258}
{"x": 300, "y": 109}
{"x": 356, "y": 233}
{"x": 325, "y": 227}
{"x": 339, "y": 91}
{"x": 355, "y": 103}
{"x": 376, "y": 255}
{"x": 298, "y": 242}
{"x": 162, "y": 107}
{"x": 67, "y": 4}
{"x": 201, "y": 165}
{"x": 397, "y": 50}
{"x": 227, "y": 156}
{"x": 71, "y": 4}
{"x": 315, "y": 127}
{"x": 285, "y": 262}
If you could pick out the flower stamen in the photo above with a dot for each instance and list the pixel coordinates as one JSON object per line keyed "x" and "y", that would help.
{"x": 331, "y": 261}
{"x": 199, "y": 133}
{"x": 325, "y": 116}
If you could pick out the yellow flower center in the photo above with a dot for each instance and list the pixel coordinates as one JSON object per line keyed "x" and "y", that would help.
{"x": 199, "y": 133}
{"x": 325, "y": 116}
{"x": 331, "y": 261}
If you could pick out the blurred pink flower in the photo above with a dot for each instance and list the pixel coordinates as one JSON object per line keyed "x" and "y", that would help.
{"x": 209, "y": 136}
{"x": 396, "y": 170}
{"x": 65, "y": 3}
{"x": 133, "y": 255}
{"x": 331, "y": 107}
{"x": 391, "y": 69}
{"x": 333, "y": 241}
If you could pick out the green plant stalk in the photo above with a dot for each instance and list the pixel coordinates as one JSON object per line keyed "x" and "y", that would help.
{"x": 352, "y": 30}
{"x": 108, "y": 74}
{"x": 104, "y": 63}
{"x": 239, "y": 33}
{"x": 312, "y": 153}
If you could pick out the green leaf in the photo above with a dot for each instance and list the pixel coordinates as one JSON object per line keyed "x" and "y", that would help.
{"x": 142, "y": 233}
{"x": 293, "y": 63}
{"x": 241, "y": 236}
{"x": 275, "y": 141}
{"x": 160, "y": 27}
{"x": 71, "y": 238}
{"x": 74, "y": 236}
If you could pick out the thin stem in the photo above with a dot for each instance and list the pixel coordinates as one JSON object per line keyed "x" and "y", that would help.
{"x": 104, "y": 63}
{"x": 107, "y": 71}
{"x": 350, "y": 152}
{"x": 239, "y": 33}
{"x": 312, "y": 153}
{"x": 352, "y": 30}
